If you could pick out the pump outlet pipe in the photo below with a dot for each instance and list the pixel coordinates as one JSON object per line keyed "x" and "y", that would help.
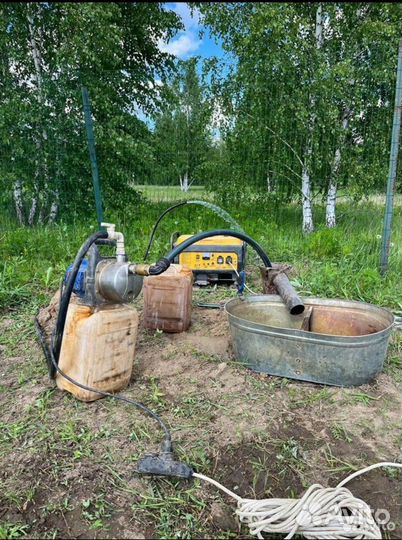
{"x": 293, "y": 302}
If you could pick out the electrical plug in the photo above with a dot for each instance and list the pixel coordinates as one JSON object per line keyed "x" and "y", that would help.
{"x": 164, "y": 464}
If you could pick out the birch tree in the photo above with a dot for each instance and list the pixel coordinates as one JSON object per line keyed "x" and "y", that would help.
{"x": 357, "y": 85}
{"x": 275, "y": 84}
{"x": 49, "y": 51}
{"x": 304, "y": 93}
{"x": 330, "y": 210}
{"x": 308, "y": 222}
{"x": 182, "y": 134}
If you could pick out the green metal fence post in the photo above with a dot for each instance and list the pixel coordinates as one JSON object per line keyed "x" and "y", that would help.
{"x": 393, "y": 165}
{"x": 92, "y": 154}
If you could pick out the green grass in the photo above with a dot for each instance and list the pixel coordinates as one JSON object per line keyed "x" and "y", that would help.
{"x": 95, "y": 512}
{"x": 340, "y": 433}
{"x": 9, "y": 531}
{"x": 175, "y": 506}
{"x": 338, "y": 465}
{"x": 63, "y": 430}
{"x": 334, "y": 263}
{"x": 339, "y": 263}
{"x": 171, "y": 193}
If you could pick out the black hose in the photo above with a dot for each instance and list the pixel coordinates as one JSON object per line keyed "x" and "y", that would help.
{"x": 151, "y": 239}
{"x": 45, "y": 347}
{"x": 207, "y": 234}
{"x": 159, "y": 267}
{"x": 102, "y": 242}
{"x": 52, "y": 353}
{"x": 219, "y": 211}
{"x": 65, "y": 298}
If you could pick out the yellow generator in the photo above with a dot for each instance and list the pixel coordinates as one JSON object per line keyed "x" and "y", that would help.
{"x": 218, "y": 259}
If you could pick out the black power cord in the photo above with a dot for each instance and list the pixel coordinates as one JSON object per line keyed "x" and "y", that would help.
{"x": 151, "y": 239}
{"x": 162, "y": 464}
{"x": 50, "y": 355}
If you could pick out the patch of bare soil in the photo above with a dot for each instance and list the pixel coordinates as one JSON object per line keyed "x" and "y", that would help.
{"x": 68, "y": 468}
{"x": 251, "y": 472}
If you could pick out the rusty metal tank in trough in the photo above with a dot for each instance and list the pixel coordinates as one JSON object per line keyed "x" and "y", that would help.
{"x": 335, "y": 342}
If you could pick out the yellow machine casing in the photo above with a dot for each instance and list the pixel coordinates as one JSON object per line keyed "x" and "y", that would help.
{"x": 213, "y": 259}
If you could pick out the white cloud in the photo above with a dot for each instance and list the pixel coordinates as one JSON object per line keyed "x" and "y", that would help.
{"x": 190, "y": 20}
{"x": 187, "y": 41}
{"x": 185, "y": 44}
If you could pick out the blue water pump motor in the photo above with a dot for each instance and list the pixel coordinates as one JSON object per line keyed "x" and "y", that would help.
{"x": 79, "y": 284}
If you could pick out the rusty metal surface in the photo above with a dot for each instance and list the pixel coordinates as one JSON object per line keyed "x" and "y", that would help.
{"x": 275, "y": 281}
{"x": 267, "y": 275}
{"x": 346, "y": 345}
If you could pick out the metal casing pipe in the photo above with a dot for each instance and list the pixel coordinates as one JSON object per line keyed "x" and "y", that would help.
{"x": 275, "y": 280}
{"x": 286, "y": 291}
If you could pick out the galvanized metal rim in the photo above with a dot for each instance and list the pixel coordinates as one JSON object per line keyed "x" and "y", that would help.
{"x": 337, "y": 302}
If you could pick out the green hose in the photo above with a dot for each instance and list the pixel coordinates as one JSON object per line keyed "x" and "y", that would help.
{"x": 216, "y": 209}
{"x": 221, "y": 213}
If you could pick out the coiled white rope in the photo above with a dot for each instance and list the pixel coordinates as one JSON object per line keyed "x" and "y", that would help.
{"x": 325, "y": 513}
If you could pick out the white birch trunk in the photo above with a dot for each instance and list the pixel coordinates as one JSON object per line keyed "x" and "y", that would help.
{"x": 330, "y": 211}
{"x": 269, "y": 184}
{"x": 35, "y": 51}
{"x": 184, "y": 183}
{"x": 41, "y": 217}
{"x": 54, "y": 208}
{"x": 318, "y": 27}
{"x": 38, "y": 64}
{"x": 19, "y": 202}
{"x": 34, "y": 206}
{"x": 308, "y": 222}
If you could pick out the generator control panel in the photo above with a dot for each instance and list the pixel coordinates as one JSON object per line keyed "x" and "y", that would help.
{"x": 213, "y": 260}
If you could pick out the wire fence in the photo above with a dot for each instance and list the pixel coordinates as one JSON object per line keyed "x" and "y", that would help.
{"x": 259, "y": 159}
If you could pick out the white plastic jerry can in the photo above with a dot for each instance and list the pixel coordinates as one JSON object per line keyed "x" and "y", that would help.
{"x": 98, "y": 348}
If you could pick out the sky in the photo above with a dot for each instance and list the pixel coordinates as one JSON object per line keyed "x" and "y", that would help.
{"x": 187, "y": 43}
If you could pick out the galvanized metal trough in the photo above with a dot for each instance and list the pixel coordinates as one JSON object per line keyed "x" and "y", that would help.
{"x": 343, "y": 343}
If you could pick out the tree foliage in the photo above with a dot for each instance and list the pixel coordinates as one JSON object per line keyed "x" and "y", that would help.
{"x": 182, "y": 135}
{"x": 280, "y": 80}
{"x": 48, "y": 51}
{"x": 305, "y": 100}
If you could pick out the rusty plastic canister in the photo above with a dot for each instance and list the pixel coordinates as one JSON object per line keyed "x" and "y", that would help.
{"x": 168, "y": 299}
{"x": 98, "y": 348}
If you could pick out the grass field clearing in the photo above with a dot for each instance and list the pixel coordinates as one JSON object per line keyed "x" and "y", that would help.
{"x": 68, "y": 468}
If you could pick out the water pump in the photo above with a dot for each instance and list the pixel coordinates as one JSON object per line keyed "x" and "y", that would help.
{"x": 93, "y": 344}
{"x": 102, "y": 280}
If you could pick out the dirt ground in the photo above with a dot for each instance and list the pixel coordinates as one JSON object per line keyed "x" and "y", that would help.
{"x": 67, "y": 469}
